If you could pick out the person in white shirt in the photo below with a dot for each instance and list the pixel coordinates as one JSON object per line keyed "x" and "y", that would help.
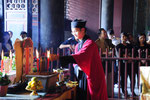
{"x": 111, "y": 35}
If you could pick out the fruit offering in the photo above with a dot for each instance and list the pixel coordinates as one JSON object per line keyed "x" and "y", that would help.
{"x": 34, "y": 85}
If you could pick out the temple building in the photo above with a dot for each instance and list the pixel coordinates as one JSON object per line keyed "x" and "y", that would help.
{"x": 46, "y": 24}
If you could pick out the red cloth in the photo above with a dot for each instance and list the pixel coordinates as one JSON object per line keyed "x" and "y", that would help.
{"x": 89, "y": 61}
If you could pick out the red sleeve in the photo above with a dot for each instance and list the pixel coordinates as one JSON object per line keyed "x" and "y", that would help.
{"x": 84, "y": 55}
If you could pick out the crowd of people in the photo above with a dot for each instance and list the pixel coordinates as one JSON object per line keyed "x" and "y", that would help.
{"x": 125, "y": 42}
{"x": 6, "y": 42}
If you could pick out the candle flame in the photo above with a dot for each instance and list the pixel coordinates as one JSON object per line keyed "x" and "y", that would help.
{"x": 10, "y": 54}
{"x": 2, "y": 54}
{"x": 48, "y": 53}
{"x": 37, "y": 54}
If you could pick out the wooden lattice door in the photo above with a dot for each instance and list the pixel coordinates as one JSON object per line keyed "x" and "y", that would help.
{"x": 15, "y": 17}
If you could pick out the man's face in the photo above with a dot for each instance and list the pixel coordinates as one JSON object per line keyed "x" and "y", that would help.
{"x": 103, "y": 34}
{"x": 78, "y": 33}
{"x": 142, "y": 39}
{"x": 123, "y": 37}
{"x": 23, "y": 36}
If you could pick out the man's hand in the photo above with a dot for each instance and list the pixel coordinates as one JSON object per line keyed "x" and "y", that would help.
{"x": 54, "y": 57}
{"x": 72, "y": 47}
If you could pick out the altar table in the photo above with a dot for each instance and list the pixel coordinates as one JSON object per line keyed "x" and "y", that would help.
{"x": 22, "y": 96}
{"x": 69, "y": 94}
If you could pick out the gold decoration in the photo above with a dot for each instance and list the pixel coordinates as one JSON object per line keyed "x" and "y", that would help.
{"x": 146, "y": 86}
{"x": 72, "y": 84}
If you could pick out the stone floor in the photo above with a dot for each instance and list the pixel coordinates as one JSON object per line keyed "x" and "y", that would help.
{"x": 129, "y": 92}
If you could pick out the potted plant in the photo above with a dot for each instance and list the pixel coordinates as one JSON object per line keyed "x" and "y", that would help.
{"x": 4, "y": 82}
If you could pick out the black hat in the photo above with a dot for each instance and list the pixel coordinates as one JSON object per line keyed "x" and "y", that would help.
{"x": 23, "y": 32}
{"x": 78, "y": 23}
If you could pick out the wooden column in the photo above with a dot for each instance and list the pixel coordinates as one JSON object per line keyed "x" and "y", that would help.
{"x": 51, "y": 23}
{"x": 107, "y": 7}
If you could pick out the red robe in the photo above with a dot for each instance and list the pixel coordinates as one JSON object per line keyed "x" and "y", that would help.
{"x": 89, "y": 61}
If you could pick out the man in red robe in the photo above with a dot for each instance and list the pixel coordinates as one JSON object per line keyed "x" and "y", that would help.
{"x": 87, "y": 58}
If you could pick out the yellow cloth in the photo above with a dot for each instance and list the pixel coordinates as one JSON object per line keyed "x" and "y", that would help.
{"x": 145, "y": 96}
{"x": 145, "y": 87}
{"x": 27, "y": 44}
{"x": 71, "y": 83}
{"x": 18, "y": 58}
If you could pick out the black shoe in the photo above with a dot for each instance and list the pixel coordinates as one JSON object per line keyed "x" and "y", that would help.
{"x": 124, "y": 94}
{"x": 134, "y": 94}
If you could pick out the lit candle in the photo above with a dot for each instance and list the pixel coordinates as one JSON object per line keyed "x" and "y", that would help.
{"x": 10, "y": 56}
{"x": 2, "y": 62}
{"x": 37, "y": 56}
{"x": 48, "y": 55}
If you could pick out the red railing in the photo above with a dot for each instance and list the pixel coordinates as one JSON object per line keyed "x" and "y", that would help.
{"x": 132, "y": 59}
{"x": 113, "y": 59}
